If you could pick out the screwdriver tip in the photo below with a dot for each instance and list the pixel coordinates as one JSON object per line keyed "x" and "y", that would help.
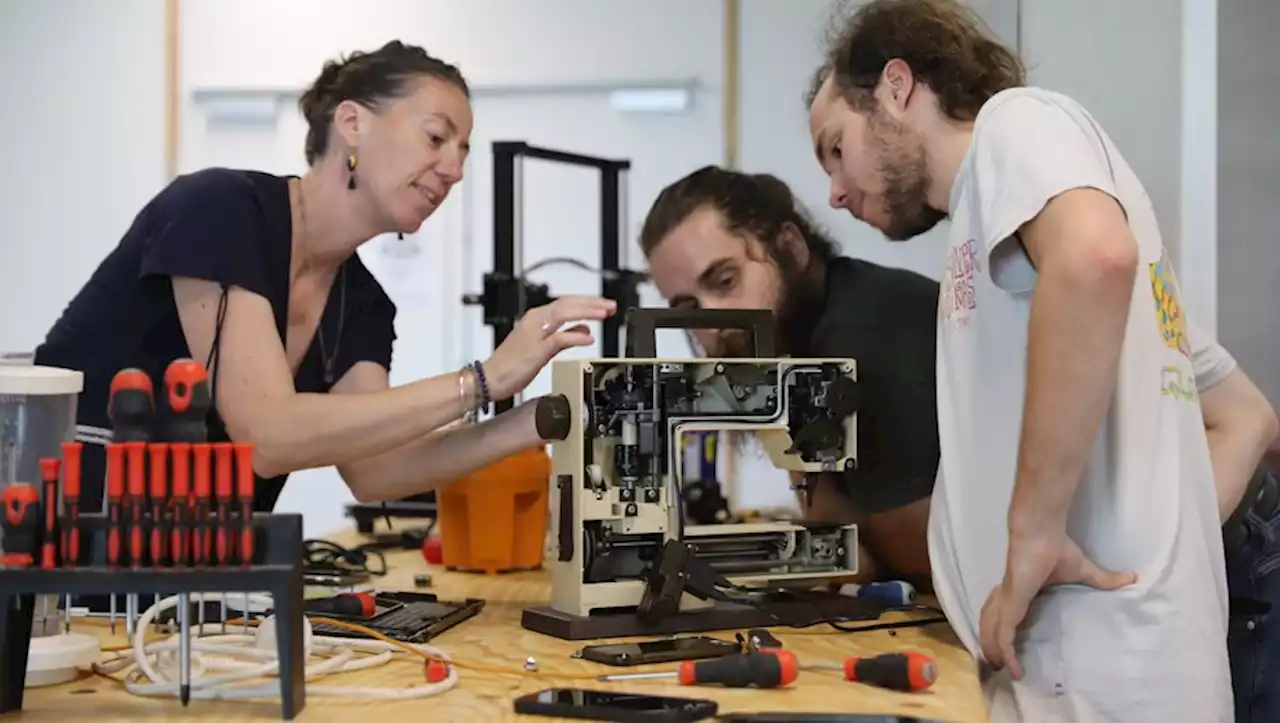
{"x": 186, "y": 694}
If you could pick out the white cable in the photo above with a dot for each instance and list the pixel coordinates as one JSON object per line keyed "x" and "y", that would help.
{"x": 233, "y": 666}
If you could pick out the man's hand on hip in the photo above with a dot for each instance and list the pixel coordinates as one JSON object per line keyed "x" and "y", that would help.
{"x": 1033, "y": 563}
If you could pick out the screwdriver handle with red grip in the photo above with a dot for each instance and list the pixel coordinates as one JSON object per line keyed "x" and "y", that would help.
{"x": 131, "y": 409}
{"x": 244, "y": 491}
{"x": 137, "y": 466}
{"x": 71, "y": 461}
{"x": 187, "y": 403}
{"x": 179, "y": 512}
{"x": 760, "y": 669}
{"x": 201, "y": 458}
{"x": 351, "y": 604}
{"x": 897, "y": 671}
{"x": 115, "y": 498}
{"x": 159, "y": 496}
{"x": 49, "y": 468}
{"x": 20, "y": 520}
{"x": 224, "y": 455}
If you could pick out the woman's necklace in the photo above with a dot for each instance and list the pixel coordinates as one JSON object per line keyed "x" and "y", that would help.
{"x": 327, "y": 359}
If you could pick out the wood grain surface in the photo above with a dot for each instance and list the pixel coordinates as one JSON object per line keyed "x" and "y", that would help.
{"x": 496, "y": 639}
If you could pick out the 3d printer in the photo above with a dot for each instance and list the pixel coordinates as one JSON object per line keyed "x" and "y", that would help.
{"x": 616, "y": 476}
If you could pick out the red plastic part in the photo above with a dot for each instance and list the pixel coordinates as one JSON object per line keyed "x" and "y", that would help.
{"x": 432, "y": 551}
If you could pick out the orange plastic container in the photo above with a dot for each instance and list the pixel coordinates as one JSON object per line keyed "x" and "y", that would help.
{"x": 495, "y": 519}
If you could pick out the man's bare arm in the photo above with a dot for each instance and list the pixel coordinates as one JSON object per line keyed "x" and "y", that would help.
{"x": 1086, "y": 259}
{"x": 1240, "y": 425}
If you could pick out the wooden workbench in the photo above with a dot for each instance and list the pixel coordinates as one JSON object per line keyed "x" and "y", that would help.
{"x": 495, "y": 638}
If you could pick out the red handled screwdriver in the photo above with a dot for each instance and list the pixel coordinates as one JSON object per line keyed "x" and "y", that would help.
{"x": 21, "y": 524}
{"x": 180, "y": 504}
{"x": 244, "y": 490}
{"x": 49, "y": 545}
{"x": 71, "y": 460}
{"x": 187, "y": 404}
{"x": 349, "y": 604}
{"x": 224, "y": 455}
{"x": 761, "y": 669}
{"x": 159, "y": 497}
{"x": 906, "y": 672}
{"x": 202, "y": 464}
{"x": 131, "y": 409}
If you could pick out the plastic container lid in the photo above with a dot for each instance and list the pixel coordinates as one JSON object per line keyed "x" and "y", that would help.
{"x": 21, "y": 379}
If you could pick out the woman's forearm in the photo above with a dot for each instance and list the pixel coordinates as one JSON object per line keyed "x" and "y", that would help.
{"x": 442, "y": 456}
{"x": 315, "y": 430}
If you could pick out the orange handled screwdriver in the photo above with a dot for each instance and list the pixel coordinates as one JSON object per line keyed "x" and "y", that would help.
{"x": 906, "y": 672}
{"x": 137, "y": 466}
{"x": 49, "y": 546}
{"x": 71, "y": 456}
{"x": 223, "y": 453}
{"x": 131, "y": 409}
{"x": 187, "y": 403}
{"x": 202, "y": 462}
{"x": 244, "y": 490}
{"x": 763, "y": 669}
{"x": 159, "y": 495}
{"x": 21, "y": 523}
{"x": 180, "y": 505}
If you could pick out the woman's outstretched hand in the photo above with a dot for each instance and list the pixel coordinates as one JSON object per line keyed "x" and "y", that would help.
{"x": 539, "y": 335}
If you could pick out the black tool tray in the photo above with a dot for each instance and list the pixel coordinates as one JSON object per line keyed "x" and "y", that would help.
{"x": 410, "y": 617}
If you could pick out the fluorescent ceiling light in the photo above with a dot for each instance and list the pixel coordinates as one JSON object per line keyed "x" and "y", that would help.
{"x": 241, "y": 108}
{"x": 652, "y": 100}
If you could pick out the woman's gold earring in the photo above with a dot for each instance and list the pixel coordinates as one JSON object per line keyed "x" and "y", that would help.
{"x": 351, "y": 166}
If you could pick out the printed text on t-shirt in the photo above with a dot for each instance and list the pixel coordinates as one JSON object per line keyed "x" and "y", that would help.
{"x": 958, "y": 297}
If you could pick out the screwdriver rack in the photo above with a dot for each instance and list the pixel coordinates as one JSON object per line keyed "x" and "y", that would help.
{"x": 276, "y": 568}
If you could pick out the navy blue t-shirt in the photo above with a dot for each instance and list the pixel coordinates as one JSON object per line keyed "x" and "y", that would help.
{"x": 886, "y": 320}
{"x": 233, "y": 227}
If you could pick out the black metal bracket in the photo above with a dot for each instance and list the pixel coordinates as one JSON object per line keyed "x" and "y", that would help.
{"x": 643, "y": 323}
{"x": 276, "y": 569}
{"x": 506, "y": 294}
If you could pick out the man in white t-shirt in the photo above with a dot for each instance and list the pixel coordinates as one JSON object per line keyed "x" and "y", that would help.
{"x": 1075, "y": 532}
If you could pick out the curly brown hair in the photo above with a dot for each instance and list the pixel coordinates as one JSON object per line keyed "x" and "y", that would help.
{"x": 945, "y": 43}
{"x": 758, "y": 204}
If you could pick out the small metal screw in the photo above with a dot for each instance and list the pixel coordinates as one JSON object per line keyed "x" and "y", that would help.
{"x": 531, "y": 664}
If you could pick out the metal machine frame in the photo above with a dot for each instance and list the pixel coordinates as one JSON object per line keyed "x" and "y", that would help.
{"x": 617, "y": 476}
{"x": 507, "y": 295}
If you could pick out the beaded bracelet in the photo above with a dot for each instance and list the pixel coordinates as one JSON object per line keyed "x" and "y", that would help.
{"x": 482, "y": 387}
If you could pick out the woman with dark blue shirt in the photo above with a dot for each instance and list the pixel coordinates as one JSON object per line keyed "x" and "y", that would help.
{"x": 257, "y": 276}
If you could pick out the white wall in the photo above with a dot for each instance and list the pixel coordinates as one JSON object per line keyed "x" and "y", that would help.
{"x": 83, "y": 146}
{"x": 1249, "y": 189}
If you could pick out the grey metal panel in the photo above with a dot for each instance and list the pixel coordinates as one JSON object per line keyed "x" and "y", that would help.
{"x": 1249, "y": 188}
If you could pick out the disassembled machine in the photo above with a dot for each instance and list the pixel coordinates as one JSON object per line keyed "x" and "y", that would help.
{"x": 621, "y": 562}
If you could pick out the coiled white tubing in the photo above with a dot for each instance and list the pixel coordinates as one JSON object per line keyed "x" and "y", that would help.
{"x": 222, "y": 665}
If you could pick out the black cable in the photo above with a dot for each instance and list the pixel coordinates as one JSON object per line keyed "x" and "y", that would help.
{"x": 322, "y": 556}
{"x": 568, "y": 261}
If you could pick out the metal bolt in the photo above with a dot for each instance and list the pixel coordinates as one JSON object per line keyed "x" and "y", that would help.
{"x": 531, "y": 664}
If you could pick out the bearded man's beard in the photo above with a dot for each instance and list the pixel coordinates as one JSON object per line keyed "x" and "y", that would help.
{"x": 801, "y": 301}
{"x": 904, "y": 165}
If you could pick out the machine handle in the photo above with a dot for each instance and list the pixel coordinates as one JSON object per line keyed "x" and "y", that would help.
{"x": 642, "y": 326}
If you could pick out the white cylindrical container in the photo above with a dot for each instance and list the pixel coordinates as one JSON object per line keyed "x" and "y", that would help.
{"x": 37, "y": 414}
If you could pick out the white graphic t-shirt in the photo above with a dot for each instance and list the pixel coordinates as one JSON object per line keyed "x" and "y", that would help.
{"x": 1155, "y": 651}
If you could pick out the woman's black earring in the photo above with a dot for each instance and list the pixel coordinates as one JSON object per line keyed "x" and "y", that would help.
{"x": 351, "y": 166}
